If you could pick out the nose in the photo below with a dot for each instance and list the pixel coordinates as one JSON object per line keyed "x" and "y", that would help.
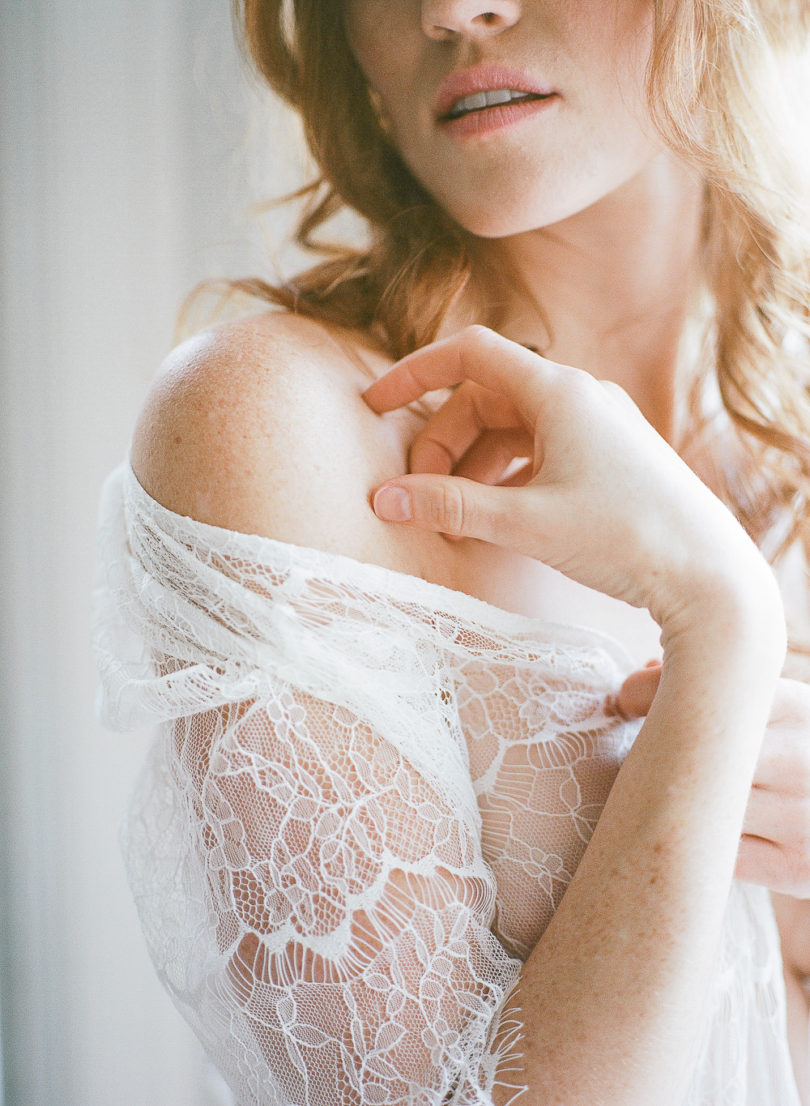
{"x": 442, "y": 19}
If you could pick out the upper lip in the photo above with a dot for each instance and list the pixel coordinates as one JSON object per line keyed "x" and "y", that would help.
{"x": 485, "y": 78}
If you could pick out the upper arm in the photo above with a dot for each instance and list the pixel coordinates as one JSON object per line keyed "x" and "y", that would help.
{"x": 259, "y": 426}
{"x": 352, "y": 904}
{"x": 346, "y": 903}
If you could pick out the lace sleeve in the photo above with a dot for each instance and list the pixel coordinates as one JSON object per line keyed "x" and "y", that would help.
{"x": 304, "y": 846}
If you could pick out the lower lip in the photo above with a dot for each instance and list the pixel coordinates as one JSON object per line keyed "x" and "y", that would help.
{"x": 479, "y": 124}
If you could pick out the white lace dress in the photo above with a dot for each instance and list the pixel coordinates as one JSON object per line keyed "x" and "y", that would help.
{"x": 367, "y": 797}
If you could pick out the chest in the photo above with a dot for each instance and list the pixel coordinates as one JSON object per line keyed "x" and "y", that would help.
{"x": 543, "y": 756}
{"x": 527, "y": 587}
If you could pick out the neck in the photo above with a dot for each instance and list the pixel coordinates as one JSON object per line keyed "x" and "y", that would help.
{"x": 609, "y": 289}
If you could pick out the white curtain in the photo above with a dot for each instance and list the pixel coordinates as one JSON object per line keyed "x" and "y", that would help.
{"x": 124, "y": 180}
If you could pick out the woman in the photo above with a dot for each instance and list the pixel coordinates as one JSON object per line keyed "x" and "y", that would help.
{"x": 402, "y": 839}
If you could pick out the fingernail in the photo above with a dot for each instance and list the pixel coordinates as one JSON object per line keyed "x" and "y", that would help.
{"x": 393, "y": 504}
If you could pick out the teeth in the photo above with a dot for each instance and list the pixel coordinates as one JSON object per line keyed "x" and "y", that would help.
{"x": 491, "y": 98}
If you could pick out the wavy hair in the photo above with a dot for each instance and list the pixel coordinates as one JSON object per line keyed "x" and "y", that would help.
{"x": 719, "y": 97}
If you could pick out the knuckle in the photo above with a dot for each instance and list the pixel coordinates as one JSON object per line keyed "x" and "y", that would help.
{"x": 476, "y": 336}
{"x": 451, "y": 509}
{"x": 428, "y": 454}
{"x": 790, "y": 758}
{"x": 798, "y": 853}
{"x": 574, "y": 383}
{"x": 800, "y": 775}
{"x": 798, "y": 872}
{"x": 467, "y": 391}
{"x": 804, "y": 836}
{"x": 475, "y": 333}
{"x": 441, "y": 507}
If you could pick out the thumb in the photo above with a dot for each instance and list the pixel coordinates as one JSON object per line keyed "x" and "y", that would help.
{"x": 447, "y": 504}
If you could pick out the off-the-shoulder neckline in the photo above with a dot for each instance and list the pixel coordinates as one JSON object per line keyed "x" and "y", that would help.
{"x": 392, "y": 583}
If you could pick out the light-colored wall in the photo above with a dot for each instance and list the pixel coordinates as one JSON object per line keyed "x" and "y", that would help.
{"x": 122, "y": 127}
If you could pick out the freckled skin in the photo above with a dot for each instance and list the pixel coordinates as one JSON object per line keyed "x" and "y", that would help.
{"x": 269, "y": 435}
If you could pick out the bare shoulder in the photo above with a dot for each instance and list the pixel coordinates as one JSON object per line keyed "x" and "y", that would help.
{"x": 259, "y": 426}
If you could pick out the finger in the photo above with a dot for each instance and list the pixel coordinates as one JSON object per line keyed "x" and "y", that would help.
{"x": 454, "y": 506}
{"x": 792, "y": 705}
{"x": 638, "y": 691}
{"x": 490, "y": 459}
{"x": 519, "y": 473}
{"x": 771, "y": 865}
{"x": 476, "y": 353}
{"x": 470, "y": 412}
{"x": 769, "y": 814}
{"x": 784, "y": 760}
{"x": 762, "y": 861}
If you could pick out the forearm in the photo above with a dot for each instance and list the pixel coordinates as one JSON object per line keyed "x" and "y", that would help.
{"x": 624, "y": 967}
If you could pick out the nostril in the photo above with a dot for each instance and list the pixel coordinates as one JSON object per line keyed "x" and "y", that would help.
{"x": 488, "y": 19}
{"x": 446, "y": 18}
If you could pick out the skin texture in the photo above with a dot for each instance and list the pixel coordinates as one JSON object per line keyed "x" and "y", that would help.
{"x": 775, "y": 845}
{"x": 776, "y": 832}
{"x": 261, "y": 426}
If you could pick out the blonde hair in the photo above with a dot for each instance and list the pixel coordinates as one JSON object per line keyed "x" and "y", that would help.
{"x": 716, "y": 87}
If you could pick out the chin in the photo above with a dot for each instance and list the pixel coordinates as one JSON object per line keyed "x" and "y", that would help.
{"x": 519, "y": 218}
{"x": 520, "y": 210}
{"x": 487, "y": 226}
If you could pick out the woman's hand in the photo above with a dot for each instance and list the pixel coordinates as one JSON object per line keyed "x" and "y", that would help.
{"x": 775, "y": 846}
{"x": 633, "y": 944}
{"x": 603, "y": 498}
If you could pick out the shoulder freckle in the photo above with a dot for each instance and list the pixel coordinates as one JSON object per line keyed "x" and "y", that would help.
{"x": 259, "y": 426}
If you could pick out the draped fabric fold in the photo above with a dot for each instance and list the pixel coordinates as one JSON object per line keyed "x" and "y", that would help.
{"x": 365, "y": 801}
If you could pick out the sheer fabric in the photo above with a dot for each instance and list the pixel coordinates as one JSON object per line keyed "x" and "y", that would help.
{"x": 367, "y": 796}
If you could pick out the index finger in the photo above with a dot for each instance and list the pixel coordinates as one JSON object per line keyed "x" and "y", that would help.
{"x": 476, "y": 353}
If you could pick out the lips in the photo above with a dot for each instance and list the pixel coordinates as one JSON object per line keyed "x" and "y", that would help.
{"x": 487, "y": 86}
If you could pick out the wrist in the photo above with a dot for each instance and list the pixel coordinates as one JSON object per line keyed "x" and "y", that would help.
{"x": 723, "y": 655}
{"x": 733, "y": 615}
{"x": 723, "y": 585}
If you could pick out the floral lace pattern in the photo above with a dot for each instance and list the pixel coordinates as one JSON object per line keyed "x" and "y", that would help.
{"x": 367, "y": 797}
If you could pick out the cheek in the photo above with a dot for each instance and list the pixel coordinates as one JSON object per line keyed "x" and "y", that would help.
{"x": 379, "y": 42}
{"x": 611, "y": 42}
{"x": 632, "y": 53}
